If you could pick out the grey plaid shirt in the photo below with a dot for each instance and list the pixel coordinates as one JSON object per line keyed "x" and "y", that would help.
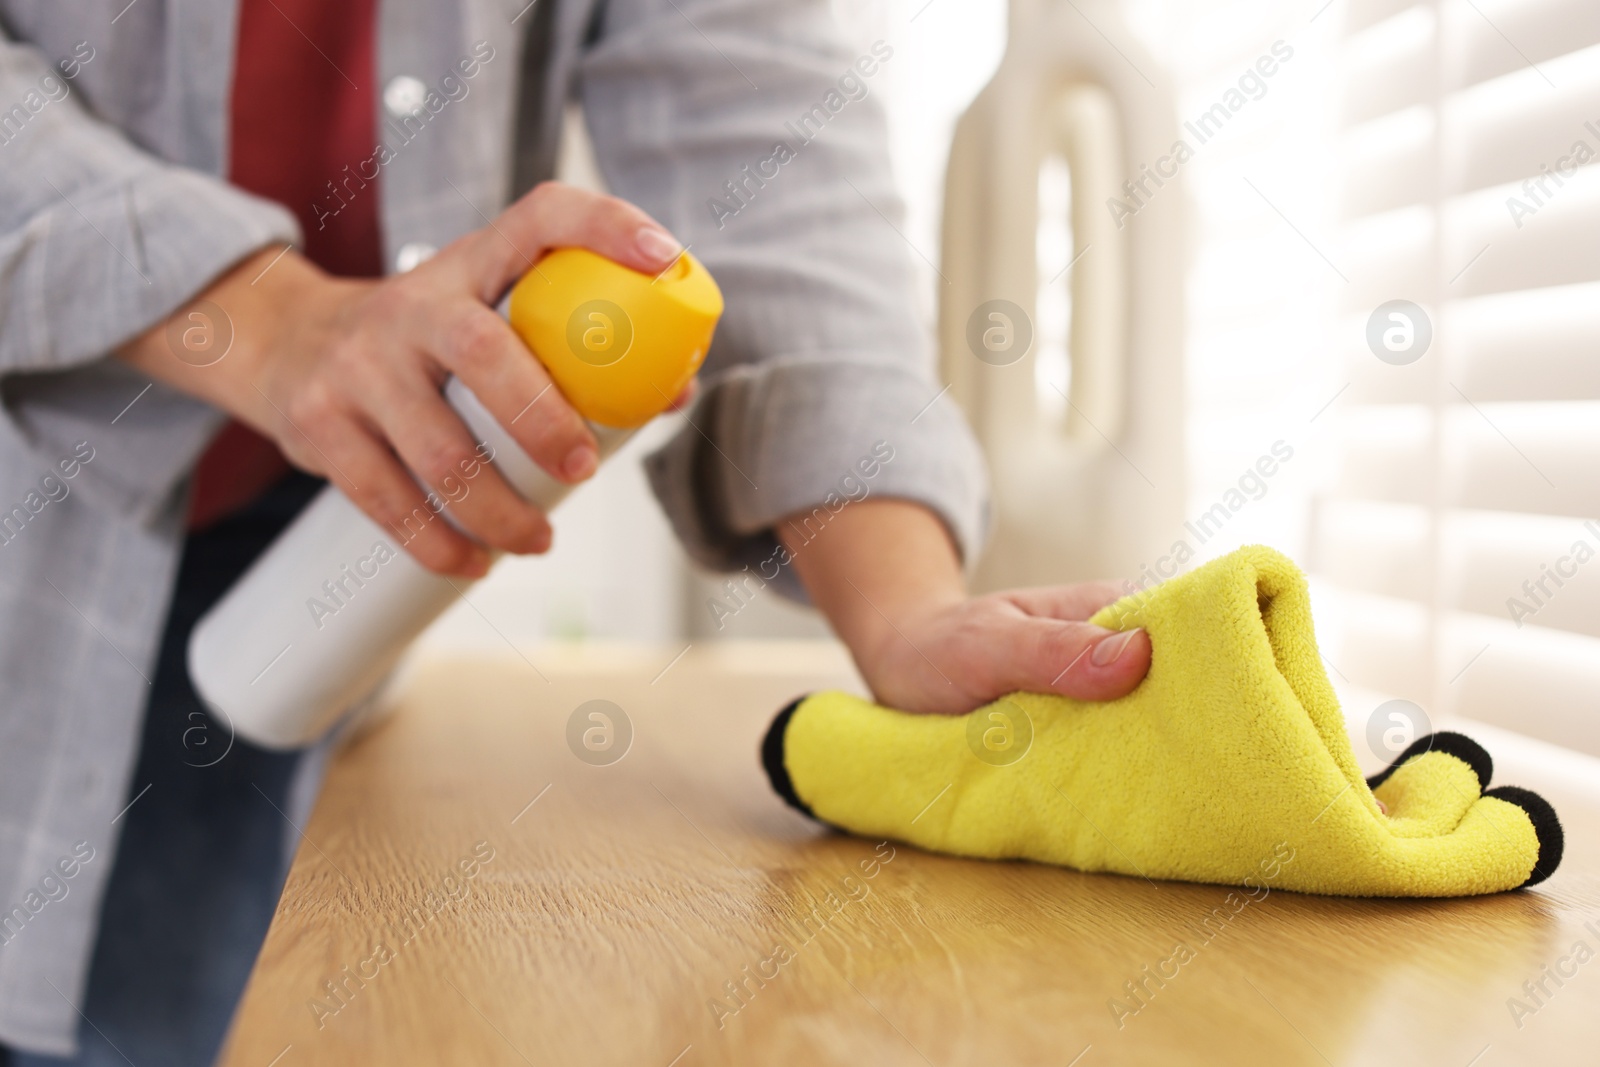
{"x": 113, "y": 135}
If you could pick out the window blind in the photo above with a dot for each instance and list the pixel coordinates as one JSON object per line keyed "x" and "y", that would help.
{"x": 1460, "y": 536}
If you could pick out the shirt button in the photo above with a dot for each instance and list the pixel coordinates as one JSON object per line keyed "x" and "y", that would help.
{"x": 412, "y": 254}
{"x": 404, "y": 95}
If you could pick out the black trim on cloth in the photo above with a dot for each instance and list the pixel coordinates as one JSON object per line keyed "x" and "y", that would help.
{"x": 772, "y": 759}
{"x": 1546, "y": 826}
{"x": 1450, "y": 743}
{"x": 1552, "y": 840}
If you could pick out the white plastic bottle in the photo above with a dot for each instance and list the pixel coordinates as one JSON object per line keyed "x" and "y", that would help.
{"x": 326, "y": 612}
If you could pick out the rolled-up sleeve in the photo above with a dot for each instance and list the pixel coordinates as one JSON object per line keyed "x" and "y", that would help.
{"x": 99, "y": 240}
{"x": 748, "y": 129}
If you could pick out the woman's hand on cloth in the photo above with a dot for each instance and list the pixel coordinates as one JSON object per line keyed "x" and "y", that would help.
{"x": 887, "y": 576}
{"x": 345, "y": 374}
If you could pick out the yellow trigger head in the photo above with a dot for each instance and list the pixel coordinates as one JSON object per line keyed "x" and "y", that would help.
{"x": 619, "y": 344}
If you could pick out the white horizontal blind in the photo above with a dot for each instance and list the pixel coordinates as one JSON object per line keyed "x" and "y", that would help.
{"x": 1461, "y": 536}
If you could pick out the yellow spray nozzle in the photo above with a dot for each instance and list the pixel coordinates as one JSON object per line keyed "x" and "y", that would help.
{"x": 620, "y": 345}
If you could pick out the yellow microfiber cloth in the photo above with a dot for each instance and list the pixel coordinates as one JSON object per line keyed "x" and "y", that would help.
{"x": 1228, "y": 764}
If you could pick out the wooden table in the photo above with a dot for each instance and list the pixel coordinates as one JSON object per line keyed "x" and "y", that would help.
{"x": 569, "y": 912}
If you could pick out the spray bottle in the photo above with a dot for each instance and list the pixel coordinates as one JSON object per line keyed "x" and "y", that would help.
{"x": 320, "y": 619}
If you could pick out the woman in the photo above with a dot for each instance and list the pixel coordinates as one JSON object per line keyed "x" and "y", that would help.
{"x": 233, "y": 231}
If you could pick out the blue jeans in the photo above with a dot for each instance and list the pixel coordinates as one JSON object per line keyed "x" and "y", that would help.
{"x": 204, "y": 851}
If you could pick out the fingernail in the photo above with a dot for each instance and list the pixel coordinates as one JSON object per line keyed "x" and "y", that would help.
{"x": 656, "y": 245}
{"x": 1382, "y": 807}
{"x": 1110, "y": 649}
{"x": 580, "y": 463}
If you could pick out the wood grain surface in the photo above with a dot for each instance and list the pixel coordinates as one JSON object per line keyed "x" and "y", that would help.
{"x": 470, "y": 891}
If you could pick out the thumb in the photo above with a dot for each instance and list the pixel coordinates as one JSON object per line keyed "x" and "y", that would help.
{"x": 1074, "y": 659}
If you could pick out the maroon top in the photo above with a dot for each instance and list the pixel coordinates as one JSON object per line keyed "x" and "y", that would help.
{"x": 304, "y": 122}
